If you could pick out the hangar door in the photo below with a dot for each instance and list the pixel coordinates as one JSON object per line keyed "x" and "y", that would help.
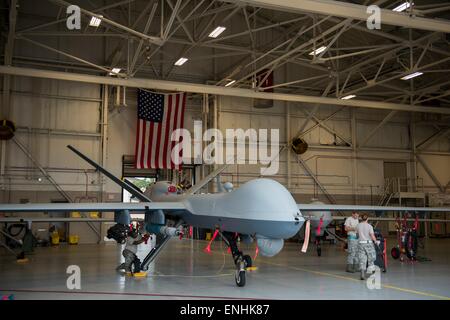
{"x": 397, "y": 172}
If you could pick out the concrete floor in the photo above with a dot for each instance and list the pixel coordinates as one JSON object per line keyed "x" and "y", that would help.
{"x": 184, "y": 271}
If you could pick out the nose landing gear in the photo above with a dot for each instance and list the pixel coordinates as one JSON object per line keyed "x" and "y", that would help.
{"x": 241, "y": 261}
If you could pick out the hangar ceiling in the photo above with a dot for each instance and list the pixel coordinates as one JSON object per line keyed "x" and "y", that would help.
{"x": 144, "y": 39}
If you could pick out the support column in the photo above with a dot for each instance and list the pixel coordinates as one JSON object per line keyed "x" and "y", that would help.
{"x": 205, "y": 112}
{"x": 214, "y": 125}
{"x": 104, "y": 148}
{"x": 412, "y": 141}
{"x": 5, "y": 107}
{"x": 288, "y": 141}
{"x": 354, "y": 155}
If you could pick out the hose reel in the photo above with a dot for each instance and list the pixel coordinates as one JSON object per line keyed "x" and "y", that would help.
{"x": 299, "y": 146}
{"x": 7, "y": 129}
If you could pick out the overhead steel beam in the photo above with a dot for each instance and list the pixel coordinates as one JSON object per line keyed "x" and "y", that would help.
{"x": 171, "y": 19}
{"x": 66, "y": 54}
{"x": 40, "y": 26}
{"x": 141, "y": 42}
{"x": 155, "y": 40}
{"x": 354, "y": 11}
{"x": 157, "y": 84}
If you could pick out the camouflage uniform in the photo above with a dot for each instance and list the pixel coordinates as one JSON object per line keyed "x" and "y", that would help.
{"x": 352, "y": 244}
{"x": 366, "y": 254}
{"x": 352, "y": 248}
{"x": 130, "y": 252}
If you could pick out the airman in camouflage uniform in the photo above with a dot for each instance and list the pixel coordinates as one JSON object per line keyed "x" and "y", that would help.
{"x": 352, "y": 242}
{"x": 366, "y": 249}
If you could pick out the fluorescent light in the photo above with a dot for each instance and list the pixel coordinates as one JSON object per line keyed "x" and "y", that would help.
{"x": 95, "y": 22}
{"x": 216, "y": 32}
{"x": 317, "y": 51}
{"x": 181, "y": 61}
{"x": 402, "y": 7}
{"x": 350, "y": 96}
{"x": 115, "y": 71}
{"x": 230, "y": 83}
{"x": 412, "y": 75}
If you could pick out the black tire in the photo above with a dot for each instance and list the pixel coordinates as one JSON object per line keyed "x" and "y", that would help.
{"x": 319, "y": 252}
{"x": 395, "y": 253}
{"x": 240, "y": 278}
{"x": 248, "y": 261}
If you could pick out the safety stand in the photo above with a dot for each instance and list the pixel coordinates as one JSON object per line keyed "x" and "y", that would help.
{"x": 157, "y": 249}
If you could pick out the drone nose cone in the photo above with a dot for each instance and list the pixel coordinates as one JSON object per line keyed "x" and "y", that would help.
{"x": 267, "y": 198}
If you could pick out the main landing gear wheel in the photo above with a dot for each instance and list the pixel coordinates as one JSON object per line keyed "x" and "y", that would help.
{"x": 240, "y": 274}
{"x": 240, "y": 278}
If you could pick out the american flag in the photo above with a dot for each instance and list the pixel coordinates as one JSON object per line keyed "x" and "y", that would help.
{"x": 158, "y": 116}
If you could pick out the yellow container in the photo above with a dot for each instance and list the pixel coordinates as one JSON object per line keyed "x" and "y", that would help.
{"x": 73, "y": 239}
{"x": 75, "y": 214}
{"x": 55, "y": 238}
{"x": 94, "y": 215}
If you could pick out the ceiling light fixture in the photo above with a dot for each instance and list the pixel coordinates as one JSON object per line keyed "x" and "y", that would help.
{"x": 350, "y": 96}
{"x": 402, "y": 7}
{"x": 216, "y": 32}
{"x": 181, "y": 61}
{"x": 95, "y": 22}
{"x": 230, "y": 83}
{"x": 412, "y": 75}
{"x": 317, "y": 51}
{"x": 114, "y": 71}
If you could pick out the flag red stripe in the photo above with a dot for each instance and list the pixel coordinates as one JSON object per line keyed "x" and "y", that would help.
{"x": 150, "y": 147}
{"x": 175, "y": 126}
{"x": 164, "y": 127}
{"x": 153, "y": 143}
{"x": 182, "y": 122}
{"x": 136, "y": 150}
{"x": 158, "y": 142}
{"x": 143, "y": 143}
{"x": 169, "y": 129}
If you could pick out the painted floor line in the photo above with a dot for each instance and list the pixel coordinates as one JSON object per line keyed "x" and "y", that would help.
{"x": 126, "y": 294}
{"x": 388, "y": 286}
